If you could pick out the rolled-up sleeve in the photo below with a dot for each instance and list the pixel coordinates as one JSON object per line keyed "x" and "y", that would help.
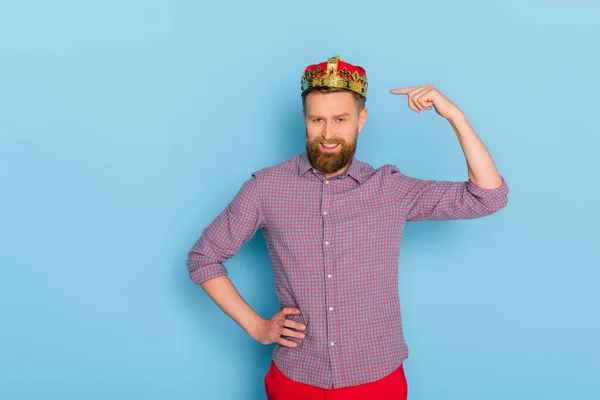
{"x": 446, "y": 200}
{"x": 226, "y": 234}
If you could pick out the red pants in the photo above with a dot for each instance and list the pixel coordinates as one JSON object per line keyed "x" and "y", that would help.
{"x": 390, "y": 387}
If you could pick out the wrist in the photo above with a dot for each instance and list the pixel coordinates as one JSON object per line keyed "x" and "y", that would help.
{"x": 253, "y": 326}
{"x": 457, "y": 117}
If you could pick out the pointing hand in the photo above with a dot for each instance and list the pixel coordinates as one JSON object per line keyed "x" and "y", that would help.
{"x": 426, "y": 96}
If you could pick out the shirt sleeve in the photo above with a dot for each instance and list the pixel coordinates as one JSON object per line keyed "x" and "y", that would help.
{"x": 445, "y": 200}
{"x": 226, "y": 234}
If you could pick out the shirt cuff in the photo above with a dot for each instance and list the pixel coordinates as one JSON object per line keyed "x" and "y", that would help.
{"x": 483, "y": 193}
{"x": 203, "y": 274}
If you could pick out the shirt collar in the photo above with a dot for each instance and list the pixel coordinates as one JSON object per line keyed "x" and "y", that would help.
{"x": 353, "y": 170}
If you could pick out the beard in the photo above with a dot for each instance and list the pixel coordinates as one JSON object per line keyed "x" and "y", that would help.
{"x": 328, "y": 163}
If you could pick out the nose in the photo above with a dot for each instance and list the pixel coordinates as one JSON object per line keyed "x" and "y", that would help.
{"x": 327, "y": 131}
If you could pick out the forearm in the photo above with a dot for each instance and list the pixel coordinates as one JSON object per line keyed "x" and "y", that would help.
{"x": 225, "y": 295}
{"x": 481, "y": 167}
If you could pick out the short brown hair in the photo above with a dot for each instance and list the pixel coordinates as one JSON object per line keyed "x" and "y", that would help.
{"x": 360, "y": 100}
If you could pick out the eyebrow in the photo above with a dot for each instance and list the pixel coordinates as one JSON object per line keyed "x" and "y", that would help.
{"x": 335, "y": 116}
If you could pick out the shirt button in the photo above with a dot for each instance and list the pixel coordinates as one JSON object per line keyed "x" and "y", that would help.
{"x": 325, "y": 213}
{"x": 326, "y": 243}
{"x": 332, "y": 344}
{"x": 330, "y": 308}
{"x": 327, "y": 182}
{"x": 329, "y": 275}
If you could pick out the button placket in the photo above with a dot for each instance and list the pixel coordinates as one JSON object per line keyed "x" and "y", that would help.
{"x": 326, "y": 212}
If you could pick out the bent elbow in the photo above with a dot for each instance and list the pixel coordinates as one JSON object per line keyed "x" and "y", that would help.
{"x": 202, "y": 268}
{"x": 494, "y": 204}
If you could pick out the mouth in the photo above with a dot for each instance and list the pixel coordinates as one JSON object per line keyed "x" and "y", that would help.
{"x": 329, "y": 147}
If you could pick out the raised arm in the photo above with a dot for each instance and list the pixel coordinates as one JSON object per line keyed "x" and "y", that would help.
{"x": 445, "y": 200}
{"x": 485, "y": 191}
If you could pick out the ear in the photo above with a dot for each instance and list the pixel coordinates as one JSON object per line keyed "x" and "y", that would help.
{"x": 362, "y": 118}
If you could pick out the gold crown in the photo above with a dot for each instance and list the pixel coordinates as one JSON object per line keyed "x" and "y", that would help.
{"x": 335, "y": 73}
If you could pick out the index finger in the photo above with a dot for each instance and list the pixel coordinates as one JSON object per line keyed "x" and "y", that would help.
{"x": 402, "y": 90}
{"x": 289, "y": 311}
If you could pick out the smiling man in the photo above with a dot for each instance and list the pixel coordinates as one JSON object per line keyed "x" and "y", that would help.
{"x": 333, "y": 227}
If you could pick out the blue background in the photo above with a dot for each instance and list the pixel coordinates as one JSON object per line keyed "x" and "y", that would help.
{"x": 126, "y": 127}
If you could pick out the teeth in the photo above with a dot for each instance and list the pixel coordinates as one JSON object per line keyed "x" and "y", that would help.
{"x": 331, "y": 146}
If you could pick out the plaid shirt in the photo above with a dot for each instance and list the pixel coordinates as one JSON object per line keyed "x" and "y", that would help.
{"x": 334, "y": 246}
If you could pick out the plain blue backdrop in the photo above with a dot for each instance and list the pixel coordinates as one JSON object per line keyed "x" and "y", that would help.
{"x": 127, "y": 126}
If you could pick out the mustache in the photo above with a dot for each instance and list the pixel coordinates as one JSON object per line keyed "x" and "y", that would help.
{"x": 330, "y": 141}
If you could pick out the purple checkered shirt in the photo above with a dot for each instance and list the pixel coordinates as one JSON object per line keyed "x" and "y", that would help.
{"x": 334, "y": 246}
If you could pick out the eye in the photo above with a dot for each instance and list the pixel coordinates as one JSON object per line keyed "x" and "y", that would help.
{"x": 341, "y": 119}
{"x": 318, "y": 120}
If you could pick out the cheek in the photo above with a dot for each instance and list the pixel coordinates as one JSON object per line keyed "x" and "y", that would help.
{"x": 313, "y": 131}
{"x": 349, "y": 131}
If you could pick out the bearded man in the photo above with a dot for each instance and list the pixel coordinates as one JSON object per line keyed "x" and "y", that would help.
{"x": 333, "y": 227}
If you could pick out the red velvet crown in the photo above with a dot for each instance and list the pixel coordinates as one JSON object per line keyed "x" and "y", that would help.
{"x": 335, "y": 73}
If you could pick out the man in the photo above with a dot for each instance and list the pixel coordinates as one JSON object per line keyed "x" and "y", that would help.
{"x": 333, "y": 227}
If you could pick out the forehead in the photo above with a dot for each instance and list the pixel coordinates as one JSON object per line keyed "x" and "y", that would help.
{"x": 330, "y": 103}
